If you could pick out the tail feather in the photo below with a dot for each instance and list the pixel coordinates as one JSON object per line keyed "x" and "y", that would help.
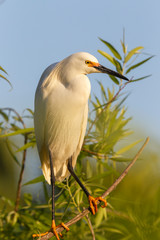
{"x": 60, "y": 170}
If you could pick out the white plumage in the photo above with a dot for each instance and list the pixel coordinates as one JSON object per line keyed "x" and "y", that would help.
{"x": 61, "y": 111}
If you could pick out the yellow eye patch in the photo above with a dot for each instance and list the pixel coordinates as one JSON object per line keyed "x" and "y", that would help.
{"x": 87, "y": 62}
{"x": 91, "y": 64}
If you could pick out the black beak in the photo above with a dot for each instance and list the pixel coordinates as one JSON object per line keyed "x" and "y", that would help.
{"x": 110, "y": 72}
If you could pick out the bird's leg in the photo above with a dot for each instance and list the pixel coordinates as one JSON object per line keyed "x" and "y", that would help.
{"x": 53, "y": 226}
{"x": 92, "y": 201}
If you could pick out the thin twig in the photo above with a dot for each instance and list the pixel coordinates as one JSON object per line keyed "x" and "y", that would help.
{"x": 100, "y": 155}
{"x": 91, "y": 227}
{"x": 18, "y": 195}
{"x": 106, "y": 193}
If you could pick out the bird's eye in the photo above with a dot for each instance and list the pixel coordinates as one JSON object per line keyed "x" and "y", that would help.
{"x": 87, "y": 62}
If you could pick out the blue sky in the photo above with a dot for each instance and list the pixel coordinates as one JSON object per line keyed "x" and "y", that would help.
{"x": 36, "y": 33}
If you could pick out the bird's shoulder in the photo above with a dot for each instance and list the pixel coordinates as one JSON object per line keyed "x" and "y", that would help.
{"x": 47, "y": 72}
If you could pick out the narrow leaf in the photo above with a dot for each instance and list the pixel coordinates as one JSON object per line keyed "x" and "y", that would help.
{"x": 112, "y": 49}
{"x": 5, "y": 116}
{"x": 114, "y": 79}
{"x": 139, "y": 79}
{"x": 123, "y": 47}
{"x": 45, "y": 191}
{"x": 126, "y": 148}
{"x": 118, "y": 65}
{"x": 6, "y": 79}
{"x": 131, "y": 53}
{"x": 27, "y": 145}
{"x": 106, "y": 55}
{"x": 22, "y": 131}
{"x": 104, "y": 96}
{"x": 99, "y": 217}
{"x": 11, "y": 152}
{"x": 35, "y": 180}
{"x": 121, "y": 159}
{"x": 30, "y": 111}
{"x": 138, "y": 64}
{"x": 2, "y": 69}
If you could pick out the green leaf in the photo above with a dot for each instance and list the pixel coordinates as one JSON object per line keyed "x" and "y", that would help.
{"x": 5, "y": 116}
{"x": 27, "y": 145}
{"x": 8, "y": 144}
{"x": 131, "y": 53}
{"x": 35, "y": 180}
{"x": 99, "y": 217}
{"x": 122, "y": 101}
{"x": 118, "y": 66}
{"x": 100, "y": 176}
{"x": 109, "y": 57}
{"x": 112, "y": 49}
{"x": 123, "y": 47}
{"x": 6, "y": 80}
{"x": 121, "y": 159}
{"x": 30, "y": 111}
{"x": 114, "y": 79}
{"x": 2, "y": 69}
{"x": 97, "y": 100}
{"x": 12, "y": 218}
{"x": 128, "y": 147}
{"x": 100, "y": 237}
{"x": 139, "y": 79}
{"x": 22, "y": 131}
{"x": 45, "y": 191}
{"x": 104, "y": 96}
{"x": 138, "y": 64}
{"x": 27, "y": 199}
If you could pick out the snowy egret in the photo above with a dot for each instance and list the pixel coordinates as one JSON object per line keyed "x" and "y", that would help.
{"x": 60, "y": 119}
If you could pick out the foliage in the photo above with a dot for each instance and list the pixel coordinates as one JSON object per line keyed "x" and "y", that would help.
{"x": 97, "y": 167}
{"x": 2, "y": 75}
{"x": 126, "y": 62}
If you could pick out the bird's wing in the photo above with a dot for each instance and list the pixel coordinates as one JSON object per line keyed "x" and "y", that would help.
{"x": 49, "y": 121}
{"x": 82, "y": 135}
{"x": 40, "y": 116}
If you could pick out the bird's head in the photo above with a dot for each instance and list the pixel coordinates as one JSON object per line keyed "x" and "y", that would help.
{"x": 85, "y": 63}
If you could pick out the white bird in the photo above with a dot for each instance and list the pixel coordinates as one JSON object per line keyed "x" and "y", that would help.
{"x": 60, "y": 118}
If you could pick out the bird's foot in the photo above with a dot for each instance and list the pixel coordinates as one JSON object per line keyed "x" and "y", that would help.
{"x": 93, "y": 203}
{"x": 53, "y": 229}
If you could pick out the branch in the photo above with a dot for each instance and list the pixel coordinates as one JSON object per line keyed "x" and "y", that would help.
{"x": 91, "y": 227}
{"x": 106, "y": 193}
{"x": 19, "y": 186}
{"x": 100, "y": 155}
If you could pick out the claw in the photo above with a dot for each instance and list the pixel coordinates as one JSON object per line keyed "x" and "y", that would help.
{"x": 93, "y": 203}
{"x": 39, "y": 235}
{"x": 64, "y": 226}
{"x": 53, "y": 229}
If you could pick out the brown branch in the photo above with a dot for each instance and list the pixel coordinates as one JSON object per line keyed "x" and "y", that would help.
{"x": 91, "y": 227}
{"x": 100, "y": 155}
{"x": 106, "y": 193}
{"x": 18, "y": 195}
